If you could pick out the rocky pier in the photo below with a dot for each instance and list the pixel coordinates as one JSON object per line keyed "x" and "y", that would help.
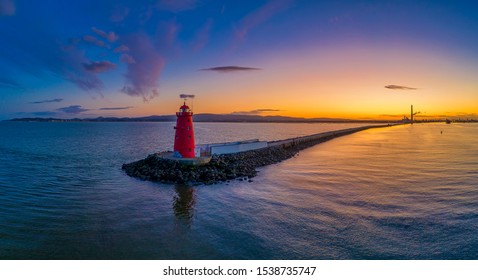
{"x": 227, "y": 167}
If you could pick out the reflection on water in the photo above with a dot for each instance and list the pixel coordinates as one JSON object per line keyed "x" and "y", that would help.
{"x": 183, "y": 203}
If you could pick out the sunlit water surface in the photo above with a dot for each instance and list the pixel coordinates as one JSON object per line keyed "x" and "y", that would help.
{"x": 406, "y": 192}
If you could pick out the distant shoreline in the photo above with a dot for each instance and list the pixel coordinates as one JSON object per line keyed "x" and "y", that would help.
{"x": 229, "y": 118}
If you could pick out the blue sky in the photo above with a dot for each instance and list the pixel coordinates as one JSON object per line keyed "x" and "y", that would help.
{"x": 133, "y": 58}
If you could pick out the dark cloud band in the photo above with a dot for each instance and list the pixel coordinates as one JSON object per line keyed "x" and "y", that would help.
{"x": 73, "y": 109}
{"x": 396, "y": 87}
{"x": 183, "y": 96}
{"x": 115, "y": 108}
{"x": 48, "y": 101}
{"x": 255, "y": 112}
{"x": 229, "y": 69}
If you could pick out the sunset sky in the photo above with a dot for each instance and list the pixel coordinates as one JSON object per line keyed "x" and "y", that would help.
{"x": 348, "y": 59}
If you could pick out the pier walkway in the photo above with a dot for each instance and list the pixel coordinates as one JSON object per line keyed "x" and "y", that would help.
{"x": 321, "y": 136}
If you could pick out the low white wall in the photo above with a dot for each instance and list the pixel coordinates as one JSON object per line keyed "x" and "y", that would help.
{"x": 237, "y": 147}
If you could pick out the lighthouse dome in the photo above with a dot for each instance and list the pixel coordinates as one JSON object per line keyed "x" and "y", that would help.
{"x": 184, "y": 109}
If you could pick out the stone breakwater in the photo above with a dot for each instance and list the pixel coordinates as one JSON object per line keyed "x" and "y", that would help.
{"x": 227, "y": 167}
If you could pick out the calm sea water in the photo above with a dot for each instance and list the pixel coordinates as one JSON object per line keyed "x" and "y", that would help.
{"x": 406, "y": 192}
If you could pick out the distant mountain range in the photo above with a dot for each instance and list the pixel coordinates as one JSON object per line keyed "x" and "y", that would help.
{"x": 198, "y": 118}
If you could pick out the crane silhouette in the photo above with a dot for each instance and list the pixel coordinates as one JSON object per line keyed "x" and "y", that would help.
{"x": 412, "y": 114}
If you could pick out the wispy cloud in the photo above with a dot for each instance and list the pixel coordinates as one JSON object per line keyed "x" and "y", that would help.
{"x": 467, "y": 115}
{"x": 73, "y": 109}
{"x": 87, "y": 83}
{"x": 126, "y": 58}
{"x": 7, "y": 8}
{"x": 48, "y": 101}
{"x": 255, "y": 112}
{"x": 44, "y": 113}
{"x": 230, "y": 69}
{"x": 143, "y": 75}
{"x": 98, "y": 66}
{"x": 115, "y": 108}
{"x": 168, "y": 33}
{"x": 202, "y": 36}
{"x": 8, "y": 83}
{"x": 49, "y": 55}
{"x": 396, "y": 87}
{"x": 110, "y": 36}
{"x": 259, "y": 16}
{"x": 77, "y": 61}
{"x": 95, "y": 41}
{"x": 121, "y": 48}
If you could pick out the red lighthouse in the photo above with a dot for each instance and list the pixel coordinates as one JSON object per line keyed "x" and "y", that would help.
{"x": 184, "y": 136}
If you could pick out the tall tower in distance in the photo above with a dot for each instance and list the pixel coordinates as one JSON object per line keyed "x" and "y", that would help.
{"x": 411, "y": 114}
{"x": 184, "y": 136}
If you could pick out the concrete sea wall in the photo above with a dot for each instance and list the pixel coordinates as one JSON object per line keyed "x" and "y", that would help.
{"x": 232, "y": 148}
{"x": 224, "y": 167}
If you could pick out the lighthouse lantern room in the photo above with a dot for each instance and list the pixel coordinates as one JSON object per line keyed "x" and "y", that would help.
{"x": 184, "y": 136}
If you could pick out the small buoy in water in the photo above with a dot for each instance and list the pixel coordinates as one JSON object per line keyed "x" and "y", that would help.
{"x": 441, "y": 132}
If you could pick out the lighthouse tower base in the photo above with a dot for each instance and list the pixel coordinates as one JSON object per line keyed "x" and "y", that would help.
{"x": 196, "y": 161}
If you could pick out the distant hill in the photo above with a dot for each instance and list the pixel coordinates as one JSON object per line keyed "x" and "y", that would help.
{"x": 197, "y": 118}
